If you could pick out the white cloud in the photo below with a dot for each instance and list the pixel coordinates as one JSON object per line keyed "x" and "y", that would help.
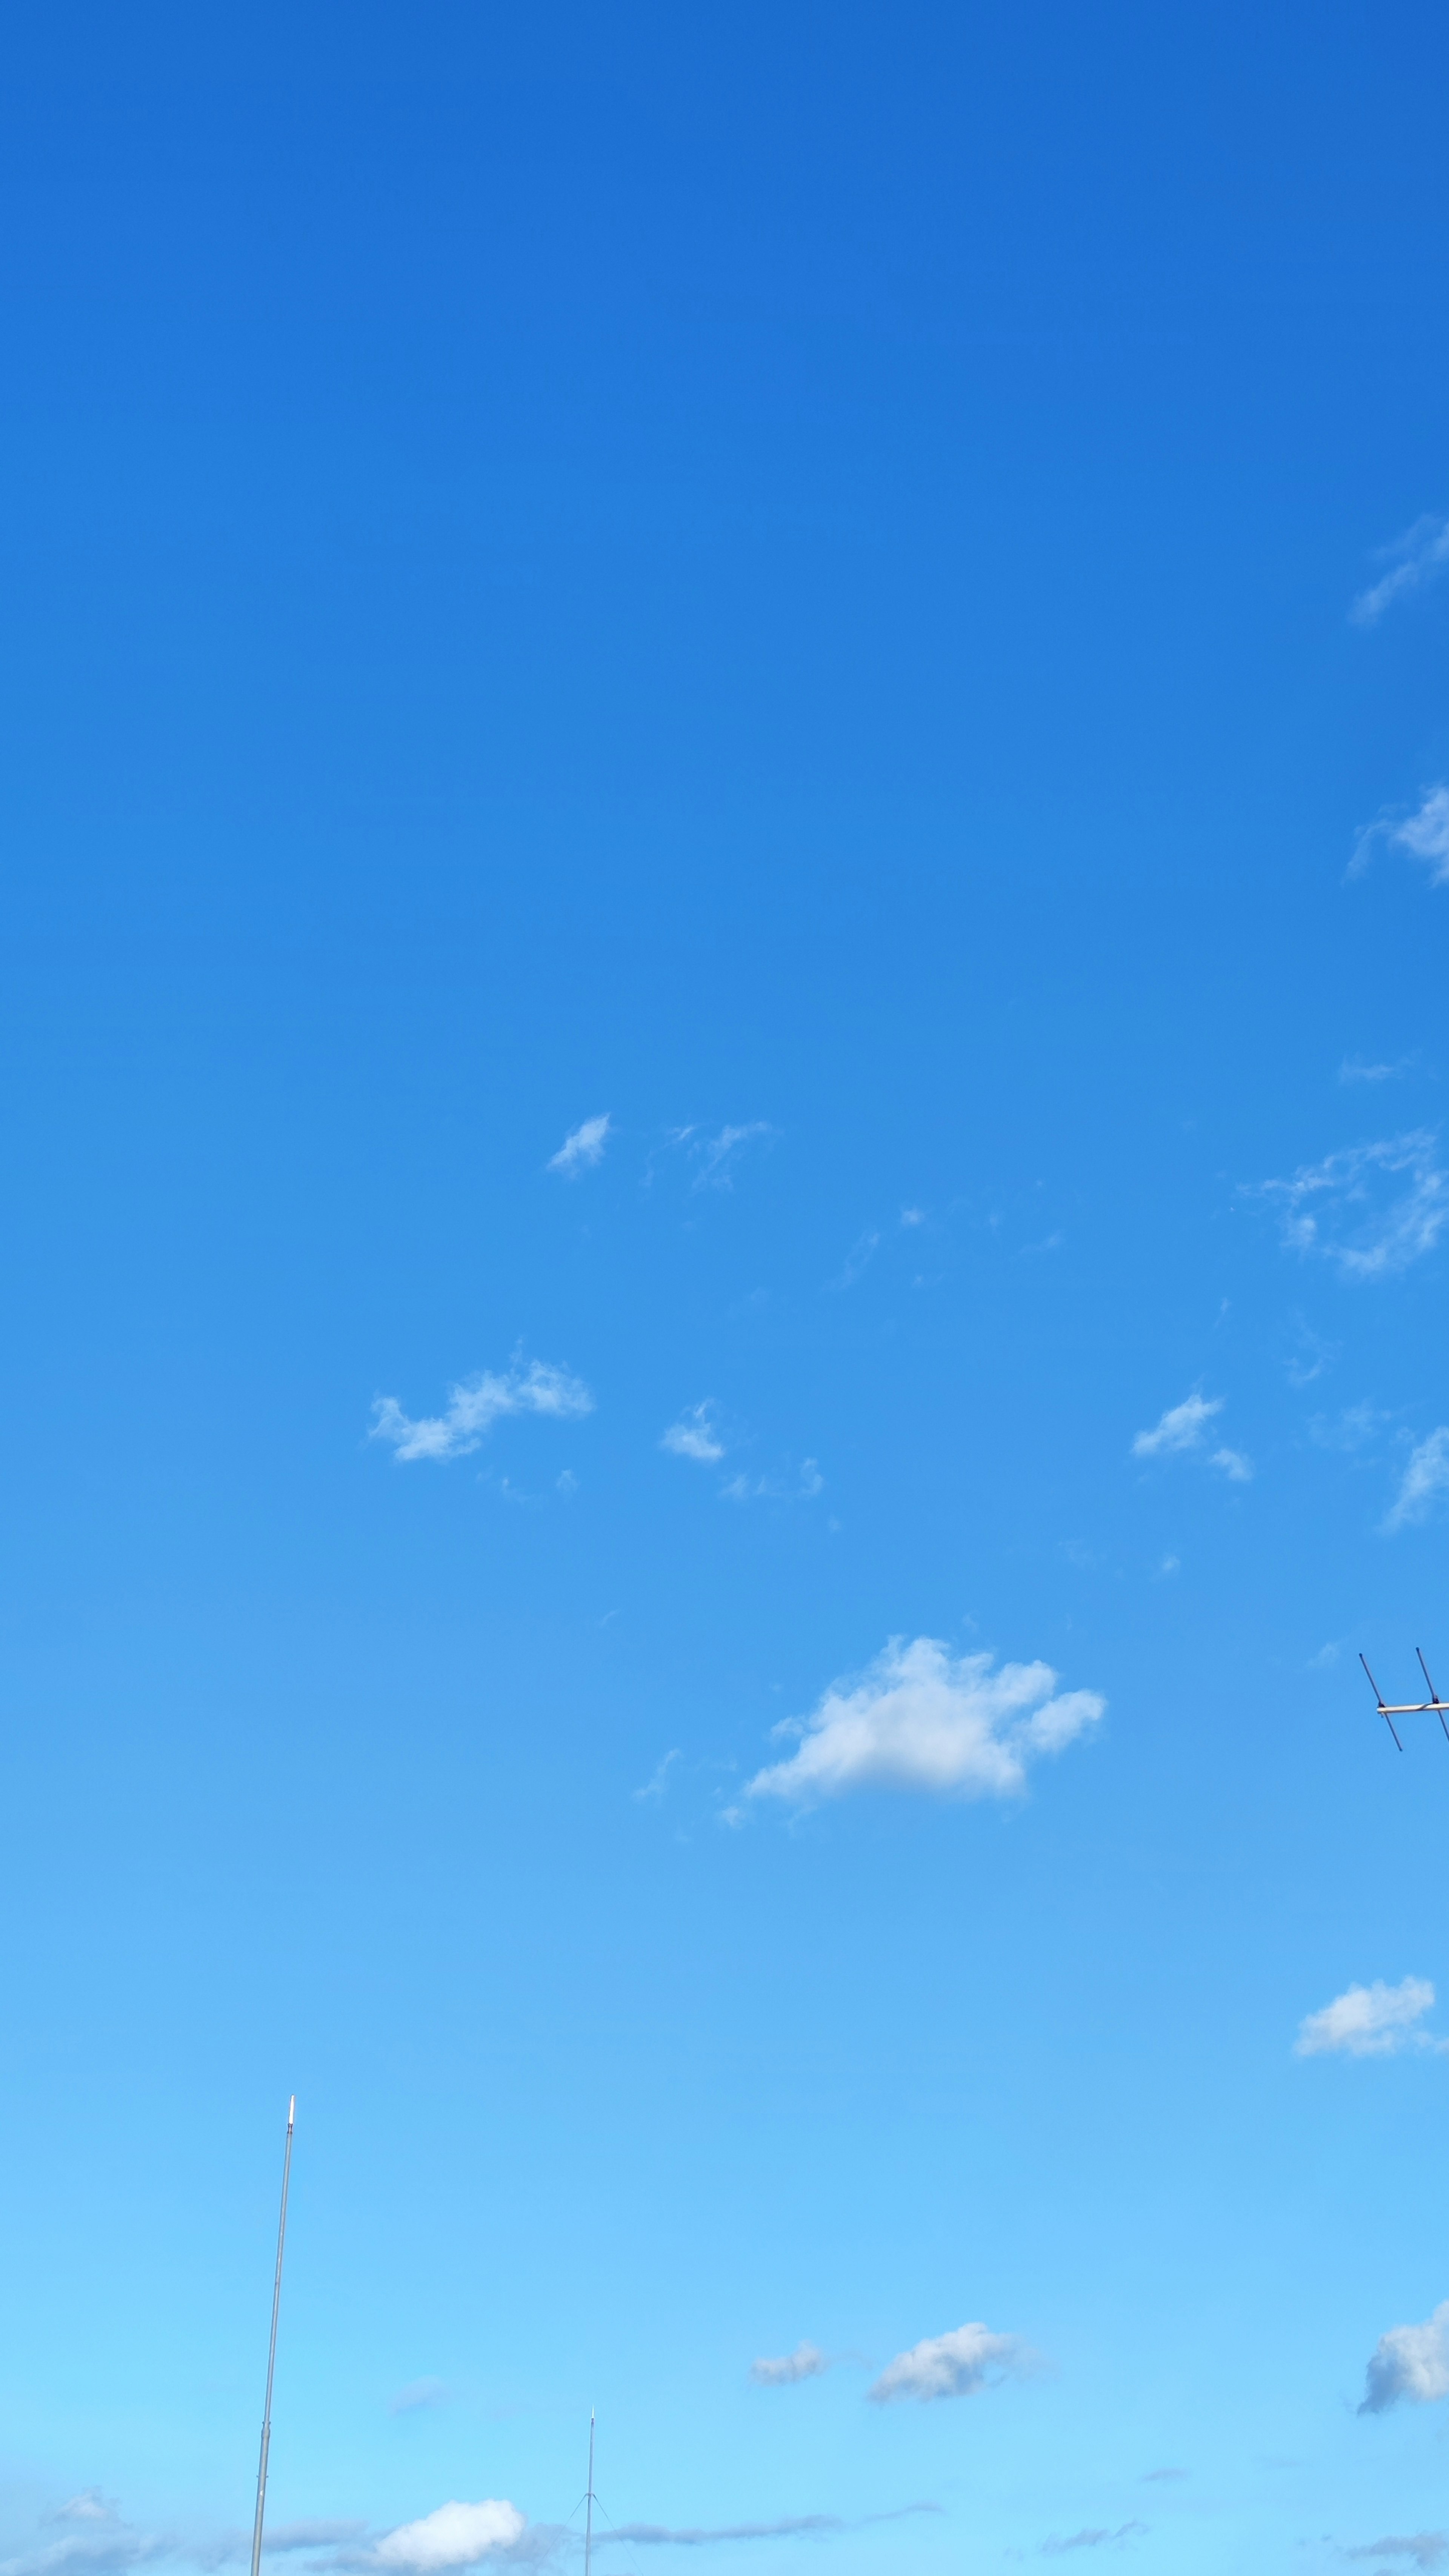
{"x": 1410, "y": 2362}
{"x": 1342, "y": 1208}
{"x": 1369, "y": 2021}
{"x": 922, "y": 1718}
{"x": 958, "y": 2364}
{"x": 1418, "y": 556}
{"x": 807, "y": 2361}
{"x": 1425, "y": 835}
{"x": 1425, "y": 1478}
{"x": 1181, "y": 1427}
{"x": 696, "y": 1434}
{"x": 1237, "y": 1468}
{"x": 583, "y": 1148}
{"x": 718, "y": 1155}
{"x": 456, "y": 2535}
{"x": 475, "y": 1405}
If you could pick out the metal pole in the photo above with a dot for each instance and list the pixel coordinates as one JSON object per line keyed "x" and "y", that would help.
{"x": 272, "y": 2347}
{"x": 589, "y": 2509}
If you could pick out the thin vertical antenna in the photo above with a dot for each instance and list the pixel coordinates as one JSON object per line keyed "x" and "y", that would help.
{"x": 589, "y": 2507}
{"x": 272, "y": 2348}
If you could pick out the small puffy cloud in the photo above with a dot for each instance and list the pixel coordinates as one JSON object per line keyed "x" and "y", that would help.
{"x": 583, "y": 1148}
{"x": 1235, "y": 1466}
{"x": 455, "y": 2535}
{"x": 718, "y": 1156}
{"x": 1425, "y": 1478}
{"x": 924, "y": 1719}
{"x": 1369, "y": 2021}
{"x": 418, "y": 2393}
{"x": 89, "y": 2506}
{"x": 1417, "y": 557}
{"x": 475, "y": 1405}
{"x": 1371, "y": 1210}
{"x": 1181, "y": 1427}
{"x": 1409, "y": 2362}
{"x": 695, "y": 1434}
{"x": 959, "y": 2364}
{"x": 807, "y": 2361}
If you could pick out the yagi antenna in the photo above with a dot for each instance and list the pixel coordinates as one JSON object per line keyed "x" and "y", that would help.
{"x": 1390, "y": 1709}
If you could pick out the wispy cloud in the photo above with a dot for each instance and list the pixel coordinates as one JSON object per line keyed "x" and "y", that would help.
{"x": 1413, "y": 559}
{"x": 696, "y": 1434}
{"x": 1424, "y": 1480}
{"x": 795, "y": 2526}
{"x": 1353, "y": 1069}
{"x": 1409, "y": 2363}
{"x": 475, "y": 1405}
{"x": 921, "y": 1718}
{"x": 1372, "y": 1209}
{"x": 652, "y": 1793}
{"x": 807, "y": 2361}
{"x": 959, "y": 2364}
{"x": 417, "y": 2394}
{"x": 1097, "y": 2539}
{"x": 1181, "y": 1427}
{"x": 718, "y": 1156}
{"x": 583, "y": 1148}
{"x": 858, "y": 1259}
{"x": 287, "y": 2536}
{"x": 1420, "y": 2548}
{"x": 1370, "y": 2021}
{"x": 777, "y": 1489}
{"x": 1424, "y": 834}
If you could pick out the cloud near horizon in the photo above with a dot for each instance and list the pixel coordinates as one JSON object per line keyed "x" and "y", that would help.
{"x": 583, "y": 1148}
{"x": 959, "y": 2364}
{"x": 1409, "y": 2363}
{"x": 1341, "y": 1208}
{"x": 1421, "y": 2548}
{"x": 920, "y": 1718}
{"x": 475, "y": 1405}
{"x": 1370, "y": 2021}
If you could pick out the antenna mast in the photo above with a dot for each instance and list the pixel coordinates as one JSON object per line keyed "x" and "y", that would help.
{"x": 589, "y": 2504}
{"x": 272, "y": 2350}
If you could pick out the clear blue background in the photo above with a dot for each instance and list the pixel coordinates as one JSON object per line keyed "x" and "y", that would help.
{"x": 782, "y": 564}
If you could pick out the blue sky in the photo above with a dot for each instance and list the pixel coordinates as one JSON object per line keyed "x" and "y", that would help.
{"x": 726, "y": 799}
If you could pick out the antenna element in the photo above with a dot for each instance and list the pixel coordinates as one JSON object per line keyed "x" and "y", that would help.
{"x": 272, "y": 2347}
